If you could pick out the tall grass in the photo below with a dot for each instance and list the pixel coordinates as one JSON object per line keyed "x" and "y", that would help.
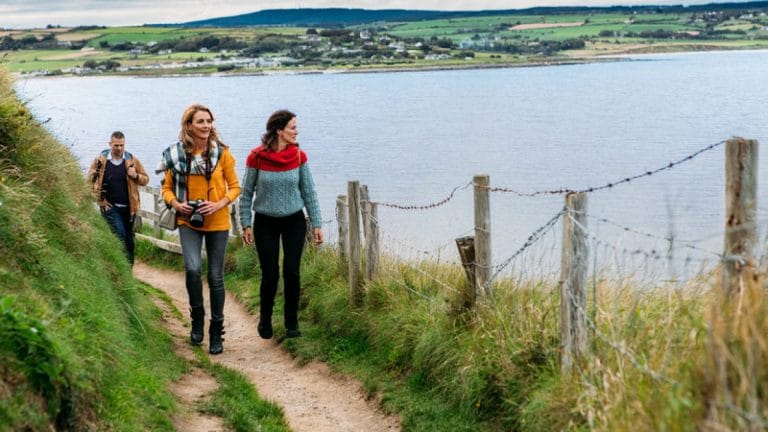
{"x": 669, "y": 358}
{"x": 81, "y": 347}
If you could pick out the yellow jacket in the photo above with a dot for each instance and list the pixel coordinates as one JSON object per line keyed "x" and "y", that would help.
{"x": 223, "y": 183}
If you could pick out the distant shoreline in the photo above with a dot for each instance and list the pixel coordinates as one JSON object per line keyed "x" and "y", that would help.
{"x": 340, "y": 70}
{"x": 607, "y": 58}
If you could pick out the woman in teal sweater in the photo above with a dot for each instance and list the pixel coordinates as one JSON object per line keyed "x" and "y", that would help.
{"x": 276, "y": 188}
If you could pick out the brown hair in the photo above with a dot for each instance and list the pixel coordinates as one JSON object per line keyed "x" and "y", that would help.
{"x": 187, "y": 142}
{"x": 277, "y": 121}
{"x": 118, "y": 135}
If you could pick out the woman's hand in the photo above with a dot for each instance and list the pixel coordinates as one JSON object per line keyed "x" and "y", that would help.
{"x": 247, "y": 236}
{"x": 318, "y": 236}
{"x": 207, "y": 208}
{"x": 183, "y": 208}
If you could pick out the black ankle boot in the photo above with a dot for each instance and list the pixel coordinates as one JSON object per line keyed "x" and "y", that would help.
{"x": 198, "y": 324}
{"x": 291, "y": 326}
{"x": 265, "y": 328}
{"x": 215, "y": 331}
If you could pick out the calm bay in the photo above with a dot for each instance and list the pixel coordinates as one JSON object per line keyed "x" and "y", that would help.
{"x": 414, "y": 137}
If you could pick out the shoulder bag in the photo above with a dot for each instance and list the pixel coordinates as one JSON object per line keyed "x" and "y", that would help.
{"x": 167, "y": 218}
{"x": 167, "y": 215}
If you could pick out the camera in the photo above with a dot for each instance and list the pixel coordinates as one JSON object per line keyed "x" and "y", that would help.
{"x": 196, "y": 219}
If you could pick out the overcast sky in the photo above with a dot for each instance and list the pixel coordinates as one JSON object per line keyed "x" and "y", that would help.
{"x": 15, "y": 14}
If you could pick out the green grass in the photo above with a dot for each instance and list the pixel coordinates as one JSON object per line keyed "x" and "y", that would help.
{"x": 31, "y": 60}
{"x": 497, "y": 367}
{"x": 461, "y": 28}
{"x": 238, "y": 403}
{"x": 143, "y": 35}
{"x": 398, "y": 357}
{"x": 82, "y": 344}
{"x": 81, "y": 341}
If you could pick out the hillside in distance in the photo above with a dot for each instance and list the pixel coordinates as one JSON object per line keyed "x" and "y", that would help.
{"x": 339, "y": 17}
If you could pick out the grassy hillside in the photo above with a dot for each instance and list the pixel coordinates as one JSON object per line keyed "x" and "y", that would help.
{"x": 77, "y": 333}
{"x": 333, "y": 17}
{"x": 81, "y": 343}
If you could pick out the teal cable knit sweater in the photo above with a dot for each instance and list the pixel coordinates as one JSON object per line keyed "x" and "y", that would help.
{"x": 280, "y": 186}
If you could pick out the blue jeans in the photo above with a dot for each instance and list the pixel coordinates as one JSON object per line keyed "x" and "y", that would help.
{"x": 120, "y": 222}
{"x": 267, "y": 234}
{"x": 215, "y": 247}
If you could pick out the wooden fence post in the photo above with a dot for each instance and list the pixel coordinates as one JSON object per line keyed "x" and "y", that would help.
{"x": 740, "y": 211}
{"x": 342, "y": 218}
{"x": 371, "y": 241}
{"x": 355, "y": 246}
{"x": 466, "y": 246}
{"x": 158, "y": 200}
{"x": 364, "y": 211}
{"x": 482, "y": 235}
{"x": 309, "y": 232}
{"x": 234, "y": 217}
{"x": 573, "y": 280}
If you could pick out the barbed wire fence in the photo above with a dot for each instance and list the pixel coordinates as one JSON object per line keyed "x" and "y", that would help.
{"x": 497, "y": 272}
{"x": 611, "y": 184}
{"x": 649, "y": 255}
{"x": 574, "y": 220}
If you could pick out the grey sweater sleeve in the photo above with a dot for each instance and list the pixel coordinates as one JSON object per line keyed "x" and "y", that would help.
{"x": 246, "y": 196}
{"x": 309, "y": 196}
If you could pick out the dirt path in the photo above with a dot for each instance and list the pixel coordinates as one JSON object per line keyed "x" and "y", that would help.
{"x": 312, "y": 397}
{"x": 194, "y": 386}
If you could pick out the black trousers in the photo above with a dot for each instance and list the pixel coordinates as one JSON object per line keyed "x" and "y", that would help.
{"x": 268, "y": 232}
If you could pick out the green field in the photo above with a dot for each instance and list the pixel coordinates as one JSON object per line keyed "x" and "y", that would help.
{"x": 490, "y": 39}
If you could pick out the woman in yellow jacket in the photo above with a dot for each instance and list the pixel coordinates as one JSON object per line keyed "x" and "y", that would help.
{"x": 200, "y": 183}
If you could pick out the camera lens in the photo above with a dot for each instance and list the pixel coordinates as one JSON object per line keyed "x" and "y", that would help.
{"x": 196, "y": 219}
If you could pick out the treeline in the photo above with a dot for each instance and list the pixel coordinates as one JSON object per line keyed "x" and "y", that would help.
{"x": 101, "y": 65}
{"x": 212, "y": 43}
{"x": 668, "y": 34}
{"x": 545, "y": 47}
{"x": 273, "y": 43}
{"x": 47, "y": 41}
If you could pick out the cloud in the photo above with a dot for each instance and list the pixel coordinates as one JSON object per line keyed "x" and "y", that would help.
{"x": 21, "y": 14}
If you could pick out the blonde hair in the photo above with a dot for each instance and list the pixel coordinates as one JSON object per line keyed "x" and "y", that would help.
{"x": 185, "y": 137}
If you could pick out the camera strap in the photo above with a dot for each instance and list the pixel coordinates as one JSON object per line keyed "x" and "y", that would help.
{"x": 188, "y": 157}
{"x": 207, "y": 171}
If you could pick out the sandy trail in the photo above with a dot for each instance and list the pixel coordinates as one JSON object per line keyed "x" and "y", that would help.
{"x": 312, "y": 397}
{"x": 194, "y": 386}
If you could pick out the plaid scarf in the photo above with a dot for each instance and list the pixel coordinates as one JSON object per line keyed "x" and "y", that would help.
{"x": 175, "y": 159}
